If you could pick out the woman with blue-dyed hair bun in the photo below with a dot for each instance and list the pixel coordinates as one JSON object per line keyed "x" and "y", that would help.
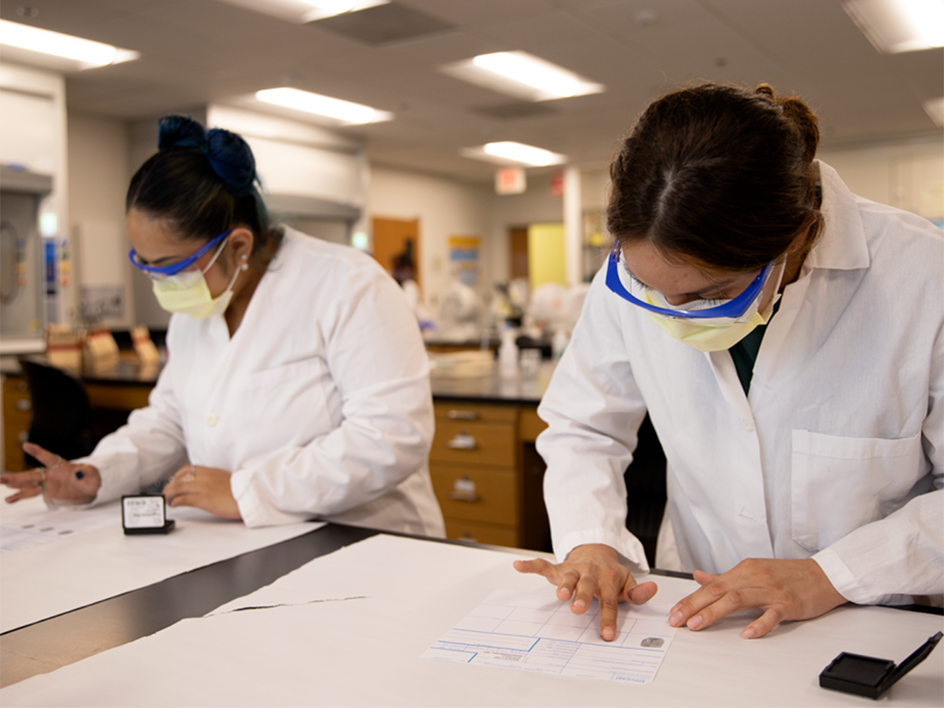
{"x": 297, "y": 384}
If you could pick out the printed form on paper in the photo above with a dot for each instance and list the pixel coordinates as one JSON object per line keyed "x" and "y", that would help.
{"x": 538, "y": 633}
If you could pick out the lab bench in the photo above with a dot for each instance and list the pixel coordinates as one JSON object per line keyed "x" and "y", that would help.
{"x": 485, "y": 469}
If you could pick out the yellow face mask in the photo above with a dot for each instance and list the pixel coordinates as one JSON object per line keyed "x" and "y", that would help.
{"x": 713, "y": 337}
{"x": 188, "y": 294}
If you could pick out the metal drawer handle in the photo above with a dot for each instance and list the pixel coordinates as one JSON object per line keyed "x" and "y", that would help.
{"x": 462, "y": 441}
{"x": 464, "y": 490}
{"x": 24, "y": 404}
{"x": 462, "y": 415}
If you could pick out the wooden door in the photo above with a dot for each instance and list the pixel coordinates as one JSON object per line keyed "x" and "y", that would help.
{"x": 519, "y": 252}
{"x": 390, "y": 240}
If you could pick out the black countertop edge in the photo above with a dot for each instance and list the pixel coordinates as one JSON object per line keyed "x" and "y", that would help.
{"x": 492, "y": 398}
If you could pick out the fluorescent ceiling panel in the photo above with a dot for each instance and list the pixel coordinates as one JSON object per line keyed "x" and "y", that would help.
{"x": 345, "y": 112}
{"x": 301, "y": 11}
{"x": 31, "y": 44}
{"x": 514, "y": 154}
{"x": 522, "y": 75}
{"x": 894, "y": 26}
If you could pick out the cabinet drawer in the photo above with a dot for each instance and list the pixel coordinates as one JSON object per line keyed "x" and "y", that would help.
{"x": 476, "y": 494}
{"x": 14, "y": 384}
{"x": 474, "y": 443}
{"x": 17, "y": 404}
{"x": 462, "y": 411}
{"x": 123, "y": 398}
{"x": 482, "y": 533}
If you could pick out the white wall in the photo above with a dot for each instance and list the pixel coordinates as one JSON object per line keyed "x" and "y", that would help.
{"x": 444, "y": 208}
{"x": 297, "y": 158}
{"x": 99, "y": 172}
{"x": 538, "y": 206}
{"x": 594, "y": 189}
{"x": 33, "y": 134}
{"x": 905, "y": 174}
{"x": 102, "y": 156}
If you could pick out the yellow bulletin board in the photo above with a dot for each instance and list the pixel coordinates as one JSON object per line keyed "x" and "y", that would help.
{"x": 464, "y": 258}
{"x": 546, "y": 254}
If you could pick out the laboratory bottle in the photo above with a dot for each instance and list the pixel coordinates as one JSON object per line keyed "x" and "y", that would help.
{"x": 508, "y": 353}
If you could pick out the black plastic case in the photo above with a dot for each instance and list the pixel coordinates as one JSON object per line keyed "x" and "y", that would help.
{"x": 868, "y": 676}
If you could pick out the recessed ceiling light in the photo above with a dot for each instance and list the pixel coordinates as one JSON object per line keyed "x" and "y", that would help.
{"x": 305, "y": 10}
{"x": 84, "y": 52}
{"x": 935, "y": 109}
{"x": 330, "y": 8}
{"x": 511, "y": 153}
{"x": 894, "y": 26}
{"x": 522, "y": 75}
{"x": 346, "y": 112}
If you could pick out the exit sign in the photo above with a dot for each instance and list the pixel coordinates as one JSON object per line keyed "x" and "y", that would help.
{"x": 510, "y": 181}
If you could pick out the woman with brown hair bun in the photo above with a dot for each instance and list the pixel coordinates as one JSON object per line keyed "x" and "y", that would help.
{"x": 787, "y": 340}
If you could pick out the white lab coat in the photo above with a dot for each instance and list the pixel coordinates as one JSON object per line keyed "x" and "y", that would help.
{"x": 834, "y": 455}
{"x": 319, "y": 405}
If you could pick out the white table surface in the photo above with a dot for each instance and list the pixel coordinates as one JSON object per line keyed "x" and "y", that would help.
{"x": 351, "y": 626}
{"x": 91, "y": 565}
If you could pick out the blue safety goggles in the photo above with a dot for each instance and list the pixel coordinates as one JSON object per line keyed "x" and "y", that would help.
{"x": 732, "y": 309}
{"x": 179, "y": 266}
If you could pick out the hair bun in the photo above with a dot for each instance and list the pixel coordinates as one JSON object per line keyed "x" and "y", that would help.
{"x": 231, "y": 158}
{"x": 228, "y": 154}
{"x": 180, "y": 132}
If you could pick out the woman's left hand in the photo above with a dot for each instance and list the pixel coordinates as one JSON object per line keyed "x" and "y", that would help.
{"x": 206, "y": 488}
{"x": 784, "y": 589}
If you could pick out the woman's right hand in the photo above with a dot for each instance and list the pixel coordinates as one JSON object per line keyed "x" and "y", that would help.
{"x": 57, "y": 479}
{"x": 590, "y": 571}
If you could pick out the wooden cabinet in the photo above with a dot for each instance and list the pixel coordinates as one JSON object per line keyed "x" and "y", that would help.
{"x": 17, "y": 415}
{"x": 478, "y": 469}
{"x": 111, "y": 401}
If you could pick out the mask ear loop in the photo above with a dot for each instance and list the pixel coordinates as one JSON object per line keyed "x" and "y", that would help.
{"x": 215, "y": 256}
{"x": 242, "y": 269}
{"x": 244, "y": 266}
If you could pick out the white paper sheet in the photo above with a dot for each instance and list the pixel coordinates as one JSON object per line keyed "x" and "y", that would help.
{"x": 535, "y": 632}
{"x": 348, "y": 629}
{"x": 37, "y": 527}
{"x": 48, "y": 573}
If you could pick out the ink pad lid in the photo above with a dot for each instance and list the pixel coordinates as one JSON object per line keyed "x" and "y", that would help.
{"x": 868, "y": 676}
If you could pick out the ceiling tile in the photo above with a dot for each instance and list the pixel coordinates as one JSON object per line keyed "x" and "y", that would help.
{"x": 200, "y": 51}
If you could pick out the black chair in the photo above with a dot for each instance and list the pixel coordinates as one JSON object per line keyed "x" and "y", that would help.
{"x": 62, "y": 415}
